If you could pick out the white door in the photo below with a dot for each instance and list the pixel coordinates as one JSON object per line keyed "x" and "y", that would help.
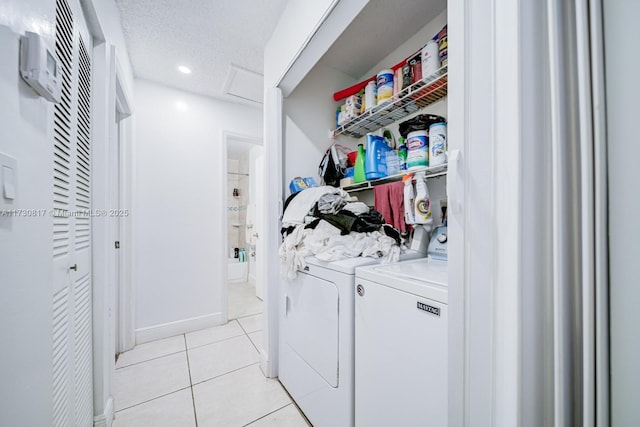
{"x": 72, "y": 291}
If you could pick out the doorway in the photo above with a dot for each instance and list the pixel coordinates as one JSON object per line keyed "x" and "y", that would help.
{"x": 243, "y": 169}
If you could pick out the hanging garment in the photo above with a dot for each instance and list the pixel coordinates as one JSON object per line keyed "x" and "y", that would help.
{"x": 389, "y": 201}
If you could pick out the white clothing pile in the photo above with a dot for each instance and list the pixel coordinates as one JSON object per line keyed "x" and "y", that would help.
{"x": 327, "y": 244}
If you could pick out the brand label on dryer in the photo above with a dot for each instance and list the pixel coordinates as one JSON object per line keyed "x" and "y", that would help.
{"x": 428, "y": 308}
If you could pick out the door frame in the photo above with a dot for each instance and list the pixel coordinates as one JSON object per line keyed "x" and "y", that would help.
{"x": 123, "y": 135}
{"x": 107, "y": 76}
{"x": 226, "y": 137}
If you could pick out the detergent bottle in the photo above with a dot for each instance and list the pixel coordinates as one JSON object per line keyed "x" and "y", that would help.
{"x": 409, "y": 199}
{"x": 358, "y": 169}
{"x": 422, "y": 203}
{"x": 376, "y": 166}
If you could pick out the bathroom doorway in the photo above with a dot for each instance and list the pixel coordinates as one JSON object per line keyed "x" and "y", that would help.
{"x": 244, "y": 159}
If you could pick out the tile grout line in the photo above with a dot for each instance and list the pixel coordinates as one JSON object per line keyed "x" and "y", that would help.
{"x": 152, "y": 399}
{"x": 193, "y": 399}
{"x": 294, "y": 403}
{"x": 250, "y": 340}
{"x": 267, "y": 414}
{"x": 215, "y": 342}
{"x": 149, "y": 360}
{"x": 222, "y": 375}
{"x": 246, "y": 315}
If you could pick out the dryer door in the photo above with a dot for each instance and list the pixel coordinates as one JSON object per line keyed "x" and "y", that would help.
{"x": 311, "y": 324}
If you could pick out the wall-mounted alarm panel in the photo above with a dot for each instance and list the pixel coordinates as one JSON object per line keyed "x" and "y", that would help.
{"x": 39, "y": 66}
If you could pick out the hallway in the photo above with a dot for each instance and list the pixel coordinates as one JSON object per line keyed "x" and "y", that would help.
{"x": 210, "y": 377}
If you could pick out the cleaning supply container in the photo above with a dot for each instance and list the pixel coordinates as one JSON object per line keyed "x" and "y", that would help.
{"x": 393, "y": 162}
{"x": 375, "y": 164}
{"x": 422, "y": 204}
{"x": 430, "y": 60}
{"x": 417, "y": 149}
{"x": 437, "y": 143}
{"x": 402, "y": 155}
{"x": 409, "y": 199}
{"x": 370, "y": 95}
{"x": 359, "y": 167}
{"x": 385, "y": 86}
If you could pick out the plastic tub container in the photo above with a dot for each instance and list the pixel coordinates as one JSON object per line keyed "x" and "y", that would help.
{"x": 393, "y": 162}
{"x": 417, "y": 149}
{"x": 437, "y": 143}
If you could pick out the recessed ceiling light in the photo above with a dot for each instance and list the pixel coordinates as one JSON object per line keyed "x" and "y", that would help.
{"x": 183, "y": 69}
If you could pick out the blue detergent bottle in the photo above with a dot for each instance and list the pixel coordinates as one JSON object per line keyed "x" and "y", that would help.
{"x": 375, "y": 164}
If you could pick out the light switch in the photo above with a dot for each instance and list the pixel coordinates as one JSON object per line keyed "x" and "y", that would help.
{"x": 9, "y": 182}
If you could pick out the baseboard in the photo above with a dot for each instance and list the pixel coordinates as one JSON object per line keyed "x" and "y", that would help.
{"x": 172, "y": 329}
{"x": 265, "y": 365}
{"x": 106, "y": 418}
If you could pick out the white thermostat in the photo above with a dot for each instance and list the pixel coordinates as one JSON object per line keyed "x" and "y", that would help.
{"x": 39, "y": 66}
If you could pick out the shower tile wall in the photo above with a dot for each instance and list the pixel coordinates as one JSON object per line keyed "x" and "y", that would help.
{"x": 237, "y": 206}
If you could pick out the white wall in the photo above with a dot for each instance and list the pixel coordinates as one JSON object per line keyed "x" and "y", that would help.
{"x": 25, "y": 243}
{"x": 307, "y": 125}
{"x": 623, "y": 89}
{"x": 179, "y": 194}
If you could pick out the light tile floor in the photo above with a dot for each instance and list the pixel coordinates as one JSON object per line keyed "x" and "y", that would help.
{"x": 206, "y": 378}
{"x": 243, "y": 300}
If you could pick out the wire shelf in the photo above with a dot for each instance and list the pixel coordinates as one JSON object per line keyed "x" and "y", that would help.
{"x": 429, "y": 172}
{"x": 413, "y": 98}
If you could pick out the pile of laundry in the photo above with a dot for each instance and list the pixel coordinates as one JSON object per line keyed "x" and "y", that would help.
{"x": 327, "y": 223}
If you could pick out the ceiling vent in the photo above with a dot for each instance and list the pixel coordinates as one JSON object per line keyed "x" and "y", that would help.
{"x": 244, "y": 84}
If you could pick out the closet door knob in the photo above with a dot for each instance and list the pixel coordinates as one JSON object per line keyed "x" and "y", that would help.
{"x": 74, "y": 267}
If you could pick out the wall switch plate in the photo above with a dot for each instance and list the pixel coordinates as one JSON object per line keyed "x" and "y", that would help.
{"x": 8, "y": 180}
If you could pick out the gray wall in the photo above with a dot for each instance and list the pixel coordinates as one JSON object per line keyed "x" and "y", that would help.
{"x": 623, "y": 94}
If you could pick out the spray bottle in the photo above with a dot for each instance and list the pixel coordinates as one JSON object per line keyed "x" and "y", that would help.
{"x": 409, "y": 199}
{"x": 422, "y": 202}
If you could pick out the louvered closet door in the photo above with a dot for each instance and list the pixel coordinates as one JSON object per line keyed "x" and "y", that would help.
{"x": 72, "y": 287}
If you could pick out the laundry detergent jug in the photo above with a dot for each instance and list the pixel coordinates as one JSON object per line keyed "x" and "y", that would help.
{"x": 375, "y": 164}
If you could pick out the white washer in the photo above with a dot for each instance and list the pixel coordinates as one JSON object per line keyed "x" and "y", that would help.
{"x": 316, "y": 339}
{"x": 401, "y": 344}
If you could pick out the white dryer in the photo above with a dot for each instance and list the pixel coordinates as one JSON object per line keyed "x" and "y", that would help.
{"x": 316, "y": 361}
{"x": 401, "y": 344}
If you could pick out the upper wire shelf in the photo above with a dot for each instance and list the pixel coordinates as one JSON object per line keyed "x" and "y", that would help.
{"x": 411, "y": 99}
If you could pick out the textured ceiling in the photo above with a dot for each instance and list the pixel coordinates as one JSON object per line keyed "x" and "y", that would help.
{"x": 208, "y": 36}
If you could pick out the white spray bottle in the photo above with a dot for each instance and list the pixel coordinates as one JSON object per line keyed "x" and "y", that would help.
{"x": 422, "y": 203}
{"x": 409, "y": 199}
